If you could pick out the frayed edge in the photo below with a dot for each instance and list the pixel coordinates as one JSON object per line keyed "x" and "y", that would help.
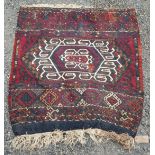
{"x": 56, "y": 6}
{"x": 43, "y": 140}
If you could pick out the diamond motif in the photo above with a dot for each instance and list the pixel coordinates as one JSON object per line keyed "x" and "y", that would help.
{"x": 71, "y": 97}
{"x": 25, "y": 98}
{"x": 49, "y": 97}
{"x": 112, "y": 100}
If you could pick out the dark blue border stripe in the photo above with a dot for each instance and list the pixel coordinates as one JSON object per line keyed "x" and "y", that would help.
{"x": 48, "y": 126}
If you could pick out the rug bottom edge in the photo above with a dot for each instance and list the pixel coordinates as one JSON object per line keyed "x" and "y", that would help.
{"x": 49, "y": 126}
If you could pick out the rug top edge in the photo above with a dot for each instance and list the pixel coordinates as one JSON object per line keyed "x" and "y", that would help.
{"x": 74, "y": 6}
{"x": 55, "y": 6}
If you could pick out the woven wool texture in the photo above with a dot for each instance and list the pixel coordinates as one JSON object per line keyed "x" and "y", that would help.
{"x": 76, "y": 69}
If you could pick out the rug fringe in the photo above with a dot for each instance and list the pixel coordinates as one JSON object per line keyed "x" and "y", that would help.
{"x": 40, "y": 140}
{"x": 56, "y": 6}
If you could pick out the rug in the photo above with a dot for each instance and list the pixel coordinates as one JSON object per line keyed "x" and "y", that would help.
{"x": 75, "y": 72}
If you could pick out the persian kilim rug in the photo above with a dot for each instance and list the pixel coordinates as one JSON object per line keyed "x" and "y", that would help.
{"x": 75, "y": 69}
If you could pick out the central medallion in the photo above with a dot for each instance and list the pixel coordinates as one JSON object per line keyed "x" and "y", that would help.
{"x": 69, "y": 59}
